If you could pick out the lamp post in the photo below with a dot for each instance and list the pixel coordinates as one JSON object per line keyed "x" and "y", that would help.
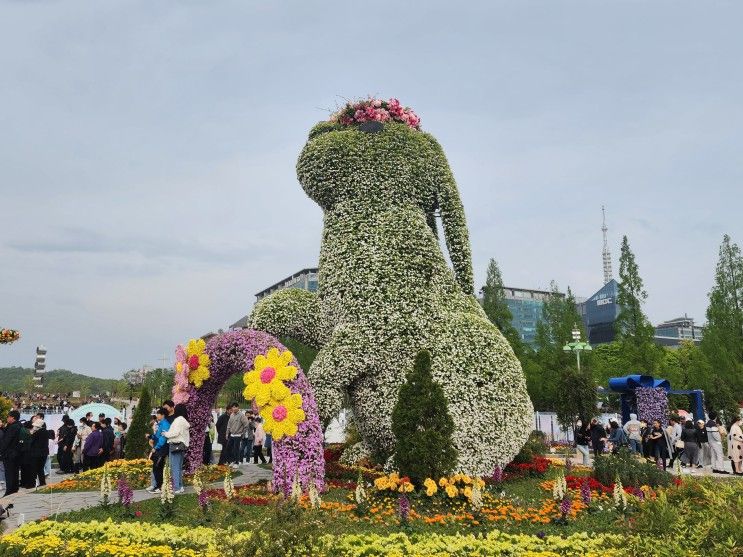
{"x": 577, "y": 345}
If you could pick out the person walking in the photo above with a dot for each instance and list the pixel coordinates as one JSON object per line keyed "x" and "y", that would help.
{"x": 659, "y": 443}
{"x": 211, "y": 432}
{"x": 178, "y": 440}
{"x": 617, "y": 437}
{"x": 258, "y": 439}
{"x": 10, "y": 451}
{"x": 108, "y": 440}
{"x": 598, "y": 437}
{"x": 735, "y": 446}
{"x": 268, "y": 445}
{"x": 633, "y": 430}
{"x": 583, "y": 440}
{"x": 236, "y": 428}
{"x": 222, "y": 420}
{"x": 690, "y": 438}
{"x": 714, "y": 441}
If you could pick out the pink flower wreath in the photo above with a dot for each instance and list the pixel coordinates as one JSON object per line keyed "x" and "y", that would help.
{"x": 234, "y": 352}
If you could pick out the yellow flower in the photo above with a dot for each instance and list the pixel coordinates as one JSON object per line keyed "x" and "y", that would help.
{"x": 198, "y": 362}
{"x": 467, "y": 480}
{"x": 406, "y": 487}
{"x": 265, "y": 382}
{"x": 443, "y": 482}
{"x": 430, "y": 486}
{"x": 381, "y": 483}
{"x": 467, "y": 492}
{"x": 282, "y": 417}
{"x": 479, "y": 482}
{"x": 451, "y": 491}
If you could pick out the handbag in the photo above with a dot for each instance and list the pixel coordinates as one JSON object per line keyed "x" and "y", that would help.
{"x": 178, "y": 447}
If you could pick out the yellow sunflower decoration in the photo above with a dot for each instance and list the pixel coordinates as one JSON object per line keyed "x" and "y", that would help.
{"x": 265, "y": 382}
{"x": 281, "y": 417}
{"x": 198, "y": 362}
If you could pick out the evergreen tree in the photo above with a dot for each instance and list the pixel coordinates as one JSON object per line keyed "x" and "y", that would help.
{"x": 634, "y": 331}
{"x": 422, "y": 426}
{"x": 723, "y": 336}
{"x": 136, "y": 442}
{"x": 496, "y": 308}
{"x": 577, "y": 396}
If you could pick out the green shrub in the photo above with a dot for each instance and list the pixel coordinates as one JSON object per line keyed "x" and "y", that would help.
{"x": 700, "y": 517}
{"x": 289, "y": 530}
{"x": 631, "y": 472}
{"x": 423, "y": 426}
{"x": 535, "y": 446}
{"x": 136, "y": 442}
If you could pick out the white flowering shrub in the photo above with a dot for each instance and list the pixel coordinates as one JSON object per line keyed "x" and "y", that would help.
{"x": 386, "y": 292}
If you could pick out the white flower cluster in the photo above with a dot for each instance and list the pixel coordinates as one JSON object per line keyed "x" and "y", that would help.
{"x": 386, "y": 292}
{"x": 228, "y": 485}
{"x": 166, "y": 494}
{"x": 354, "y": 454}
{"x": 620, "y": 497}
{"x": 559, "y": 488}
{"x": 106, "y": 485}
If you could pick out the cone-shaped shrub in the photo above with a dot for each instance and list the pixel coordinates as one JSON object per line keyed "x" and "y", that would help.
{"x": 423, "y": 426}
{"x": 136, "y": 442}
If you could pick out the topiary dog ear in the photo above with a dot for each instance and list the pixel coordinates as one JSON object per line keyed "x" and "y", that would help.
{"x": 453, "y": 220}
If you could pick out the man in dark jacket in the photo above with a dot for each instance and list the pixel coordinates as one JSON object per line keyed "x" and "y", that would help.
{"x": 65, "y": 439}
{"x": 222, "y": 436}
{"x": 108, "y": 441}
{"x": 35, "y": 456}
{"x": 10, "y": 449}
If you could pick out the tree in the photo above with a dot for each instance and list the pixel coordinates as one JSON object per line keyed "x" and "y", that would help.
{"x": 577, "y": 396}
{"x": 634, "y": 331}
{"x": 136, "y": 442}
{"x": 422, "y": 426}
{"x": 723, "y": 335}
{"x": 559, "y": 317}
{"x": 496, "y": 308}
{"x": 6, "y": 405}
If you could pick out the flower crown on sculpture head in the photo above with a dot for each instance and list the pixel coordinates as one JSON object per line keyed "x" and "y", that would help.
{"x": 376, "y": 110}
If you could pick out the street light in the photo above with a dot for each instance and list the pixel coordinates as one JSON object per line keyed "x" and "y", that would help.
{"x": 577, "y": 345}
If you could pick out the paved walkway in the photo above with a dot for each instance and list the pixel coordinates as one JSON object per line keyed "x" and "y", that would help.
{"x": 29, "y": 505}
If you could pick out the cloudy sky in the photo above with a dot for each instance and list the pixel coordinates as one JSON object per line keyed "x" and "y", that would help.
{"x": 147, "y": 150}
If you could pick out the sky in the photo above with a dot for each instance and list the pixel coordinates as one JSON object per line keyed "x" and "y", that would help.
{"x": 148, "y": 149}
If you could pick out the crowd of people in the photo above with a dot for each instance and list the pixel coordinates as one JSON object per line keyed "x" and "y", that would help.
{"x": 693, "y": 444}
{"x": 26, "y": 447}
{"x": 240, "y": 434}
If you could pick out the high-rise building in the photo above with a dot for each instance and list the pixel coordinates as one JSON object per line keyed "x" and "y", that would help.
{"x": 600, "y": 313}
{"x": 671, "y": 333}
{"x": 606, "y": 253}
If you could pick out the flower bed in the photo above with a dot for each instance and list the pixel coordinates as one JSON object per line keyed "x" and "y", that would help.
{"x": 111, "y": 539}
{"x": 137, "y": 473}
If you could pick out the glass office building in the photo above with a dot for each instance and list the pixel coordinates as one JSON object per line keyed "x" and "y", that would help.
{"x": 671, "y": 333}
{"x": 526, "y": 307}
{"x": 600, "y": 313}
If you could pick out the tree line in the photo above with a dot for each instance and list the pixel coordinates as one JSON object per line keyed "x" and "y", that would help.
{"x": 554, "y": 381}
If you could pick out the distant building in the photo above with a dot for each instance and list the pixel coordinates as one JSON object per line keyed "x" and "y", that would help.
{"x": 527, "y": 307}
{"x": 600, "y": 313}
{"x": 306, "y": 279}
{"x": 671, "y": 333}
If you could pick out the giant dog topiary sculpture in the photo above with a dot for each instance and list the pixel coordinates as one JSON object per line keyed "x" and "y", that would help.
{"x": 386, "y": 291}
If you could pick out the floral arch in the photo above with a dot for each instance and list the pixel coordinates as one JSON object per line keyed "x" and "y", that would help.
{"x": 202, "y": 368}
